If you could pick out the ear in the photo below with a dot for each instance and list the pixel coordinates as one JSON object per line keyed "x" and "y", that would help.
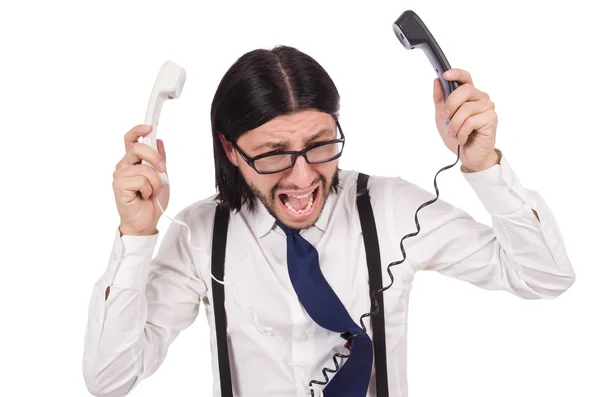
{"x": 229, "y": 151}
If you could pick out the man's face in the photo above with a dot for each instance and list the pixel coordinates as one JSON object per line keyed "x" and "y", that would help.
{"x": 297, "y": 195}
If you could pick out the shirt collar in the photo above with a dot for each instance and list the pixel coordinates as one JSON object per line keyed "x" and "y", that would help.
{"x": 263, "y": 221}
{"x": 323, "y": 220}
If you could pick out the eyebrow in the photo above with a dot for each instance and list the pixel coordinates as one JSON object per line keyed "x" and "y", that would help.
{"x": 283, "y": 144}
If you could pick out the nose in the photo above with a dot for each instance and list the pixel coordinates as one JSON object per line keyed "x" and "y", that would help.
{"x": 301, "y": 174}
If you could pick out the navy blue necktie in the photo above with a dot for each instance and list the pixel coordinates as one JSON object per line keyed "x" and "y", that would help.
{"x": 326, "y": 309}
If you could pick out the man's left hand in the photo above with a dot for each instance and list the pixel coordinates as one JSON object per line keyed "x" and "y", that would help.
{"x": 473, "y": 121}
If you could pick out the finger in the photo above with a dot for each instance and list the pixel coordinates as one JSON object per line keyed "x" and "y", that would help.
{"x": 474, "y": 123}
{"x": 141, "y": 170}
{"x": 134, "y": 134}
{"x": 468, "y": 109}
{"x": 438, "y": 92}
{"x": 139, "y": 151}
{"x": 129, "y": 186}
{"x": 462, "y": 94}
{"x": 460, "y": 75}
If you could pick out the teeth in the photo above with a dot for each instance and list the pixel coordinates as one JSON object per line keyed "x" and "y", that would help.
{"x": 302, "y": 211}
{"x": 305, "y": 195}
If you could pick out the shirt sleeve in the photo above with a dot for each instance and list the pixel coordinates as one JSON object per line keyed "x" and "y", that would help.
{"x": 518, "y": 253}
{"x": 150, "y": 302}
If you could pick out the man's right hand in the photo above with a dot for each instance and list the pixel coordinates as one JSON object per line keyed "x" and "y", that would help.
{"x": 137, "y": 185}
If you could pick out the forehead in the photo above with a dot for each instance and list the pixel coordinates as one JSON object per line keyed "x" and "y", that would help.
{"x": 297, "y": 124}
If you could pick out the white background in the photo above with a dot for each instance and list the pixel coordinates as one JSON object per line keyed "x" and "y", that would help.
{"x": 76, "y": 76}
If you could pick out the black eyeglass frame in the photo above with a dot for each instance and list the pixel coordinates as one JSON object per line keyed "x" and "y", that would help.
{"x": 295, "y": 154}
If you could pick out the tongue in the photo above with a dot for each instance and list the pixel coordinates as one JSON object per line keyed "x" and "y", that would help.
{"x": 297, "y": 203}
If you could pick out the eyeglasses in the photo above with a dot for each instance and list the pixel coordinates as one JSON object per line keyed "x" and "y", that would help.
{"x": 278, "y": 161}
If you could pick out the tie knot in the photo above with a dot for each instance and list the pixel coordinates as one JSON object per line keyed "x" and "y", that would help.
{"x": 287, "y": 230}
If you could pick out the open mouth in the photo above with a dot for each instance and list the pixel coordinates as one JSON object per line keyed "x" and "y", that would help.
{"x": 300, "y": 206}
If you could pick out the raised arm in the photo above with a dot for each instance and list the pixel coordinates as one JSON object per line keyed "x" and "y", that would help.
{"x": 138, "y": 307}
{"x": 523, "y": 252}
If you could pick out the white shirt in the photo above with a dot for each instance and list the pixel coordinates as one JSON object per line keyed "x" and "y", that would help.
{"x": 153, "y": 299}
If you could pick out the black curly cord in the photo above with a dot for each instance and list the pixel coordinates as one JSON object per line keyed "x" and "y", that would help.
{"x": 325, "y": 370}
{"x": 380, "y": 291}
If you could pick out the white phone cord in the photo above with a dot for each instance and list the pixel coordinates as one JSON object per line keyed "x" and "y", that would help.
{"x": 266, "y": 330}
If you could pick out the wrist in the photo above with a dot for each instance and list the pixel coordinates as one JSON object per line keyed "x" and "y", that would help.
{"x": 492, "y": 161}
{"x": 124, "y": 232}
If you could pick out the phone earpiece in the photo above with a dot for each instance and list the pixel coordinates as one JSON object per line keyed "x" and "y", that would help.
{"x": 412, "y": 33}
{"x": 168, "y": 85}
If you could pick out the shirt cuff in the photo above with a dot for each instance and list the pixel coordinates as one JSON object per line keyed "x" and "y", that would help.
{"x": 499, "y": 189}
{"x": 130, "y": 260}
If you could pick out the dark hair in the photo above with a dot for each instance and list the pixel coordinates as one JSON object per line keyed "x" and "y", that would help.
{"x": 260, "y": 85}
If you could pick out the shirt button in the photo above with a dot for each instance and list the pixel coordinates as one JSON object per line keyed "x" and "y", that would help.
{"x": 269, "y": 331}
{"x": 113, "y": 257}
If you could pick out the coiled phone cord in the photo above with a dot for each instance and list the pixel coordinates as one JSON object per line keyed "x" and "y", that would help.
{"x": 380, "y": 291}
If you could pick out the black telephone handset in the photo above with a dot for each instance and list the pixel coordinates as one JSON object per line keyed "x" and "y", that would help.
{"x": 412, "y": 33}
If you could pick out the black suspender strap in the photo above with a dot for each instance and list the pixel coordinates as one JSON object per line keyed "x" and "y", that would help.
{"x": 219, "y": 243}
{"x": 367, "y": 221}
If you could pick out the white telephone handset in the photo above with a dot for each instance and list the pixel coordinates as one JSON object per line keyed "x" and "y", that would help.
{"x": 168, "y": 85}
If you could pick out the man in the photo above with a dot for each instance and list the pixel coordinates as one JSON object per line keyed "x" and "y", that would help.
{"x": 267, "y": 104}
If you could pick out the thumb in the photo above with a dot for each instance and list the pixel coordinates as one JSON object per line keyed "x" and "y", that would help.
{"x": 160, "y": 146}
